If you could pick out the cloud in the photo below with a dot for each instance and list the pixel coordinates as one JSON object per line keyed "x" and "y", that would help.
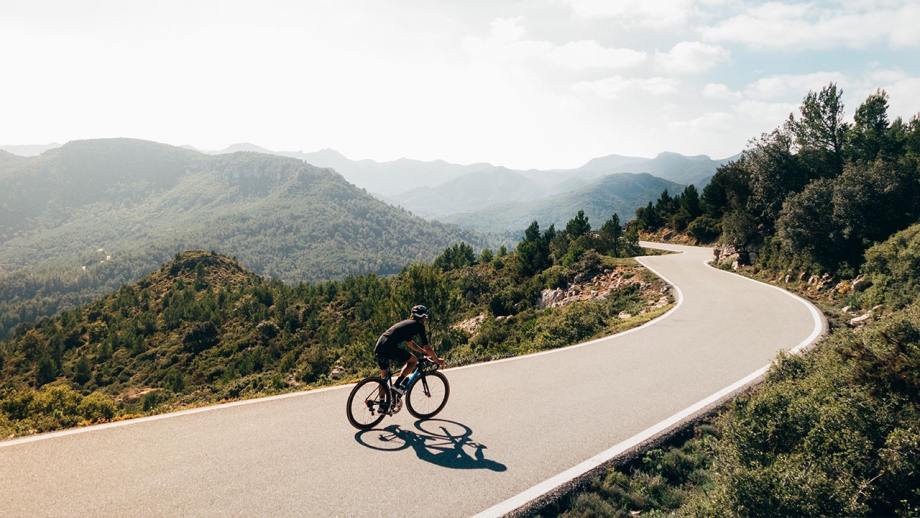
{"x": 719, "y": 91}
{"x": 808, "y": 26}
{"x": 691, "y": 57}
{"x": 786, "y": 86}
{"x": 713, "y": 122}
{"x": 657, "y": 14}
{"x": 589, "y": 54}
{"x": 614, "y": 87}
{"x": 885, "y": 76}
{"x": 903, "y": 31}
{"x": 763, "y": 112}
{"x": 902, "y": 98}
{"x": 506, "y": 43}
{"x": 506, "y": 30}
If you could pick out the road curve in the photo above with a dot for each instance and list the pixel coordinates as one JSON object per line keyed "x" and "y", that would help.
{"x": 509, "y": 426}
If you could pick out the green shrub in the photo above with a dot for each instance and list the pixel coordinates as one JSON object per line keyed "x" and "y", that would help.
{"x": 833, "y": 433}
{"x": 894, "y": 268}
{"x": 704, "y": 228}
{"x": 97, "y": 407}
{"x": 151, "y": 400}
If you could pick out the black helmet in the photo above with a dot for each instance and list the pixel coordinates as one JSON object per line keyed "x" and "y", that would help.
{"x": 419, "y": 311}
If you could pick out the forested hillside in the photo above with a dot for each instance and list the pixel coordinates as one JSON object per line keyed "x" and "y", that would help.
{"x": 203, "y": 329}
{"x": 815, "y": 193}
{"x": 617, "y": 193}
{"x": 80, "y": 220}
{"x": 829, "y": 209}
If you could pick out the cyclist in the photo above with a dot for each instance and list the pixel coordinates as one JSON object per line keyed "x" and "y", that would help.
{"x": 387, "y": 347}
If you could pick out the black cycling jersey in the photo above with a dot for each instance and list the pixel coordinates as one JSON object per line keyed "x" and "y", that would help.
{"x": 387, "y": 347}
{"x": 403, "y": 332}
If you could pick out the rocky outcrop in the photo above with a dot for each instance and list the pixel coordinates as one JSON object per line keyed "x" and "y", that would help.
{"x": 471, "y": 325}
{"x": 598, "y": 288}
{"x": 859, "y": 320}
{"x": 586, "y": 287}
{"x": 860, "y": 283}
{"x": 738, "y": 255}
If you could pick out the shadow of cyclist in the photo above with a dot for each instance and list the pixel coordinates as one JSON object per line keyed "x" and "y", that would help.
{"x": 438, "y": 441}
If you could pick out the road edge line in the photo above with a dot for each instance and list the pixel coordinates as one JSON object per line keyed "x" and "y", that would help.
{"x": 208, "y": 408}
{"x": 520, "y": 500}
{"x": 535, "y": 492}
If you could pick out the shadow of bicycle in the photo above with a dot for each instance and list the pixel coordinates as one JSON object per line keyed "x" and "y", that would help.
{"x": 438, "y": 441}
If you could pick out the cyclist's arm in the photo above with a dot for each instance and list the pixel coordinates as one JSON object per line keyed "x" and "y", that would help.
{"x": 427, "y": 350}
{"x": 430, "y": 352}
{"x": 416, "y": 348}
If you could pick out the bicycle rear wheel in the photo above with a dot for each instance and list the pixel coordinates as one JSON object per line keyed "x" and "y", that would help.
{"x": 365, "y": 401}
{"x": 428, "y": 395}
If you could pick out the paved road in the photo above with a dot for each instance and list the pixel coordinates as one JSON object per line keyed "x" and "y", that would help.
{"x": 509, "y": 425}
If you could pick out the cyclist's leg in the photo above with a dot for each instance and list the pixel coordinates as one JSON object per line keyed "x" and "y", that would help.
{"x": 409, "y": 367}
{"x": 383, "y": 354}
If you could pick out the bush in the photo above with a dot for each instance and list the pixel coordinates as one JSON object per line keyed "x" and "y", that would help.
{"x": 53, "y": 408}
{"x": 894, "y": 268}
{"x": 704, "y": 228}
{"x": 834, "y": 433}
{"x": 97, "y": 407}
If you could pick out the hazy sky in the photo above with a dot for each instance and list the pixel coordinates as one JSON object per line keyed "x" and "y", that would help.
{"x": 541, "y": 83}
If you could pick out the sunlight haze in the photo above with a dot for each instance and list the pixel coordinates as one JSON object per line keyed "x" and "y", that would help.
{"x": 526, "y": 84}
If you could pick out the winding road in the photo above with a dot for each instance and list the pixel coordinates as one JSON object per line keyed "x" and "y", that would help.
{"x": 512, "y": 429}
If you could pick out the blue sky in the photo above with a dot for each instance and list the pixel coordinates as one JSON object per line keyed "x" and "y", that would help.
{"x": 524, "y": 84}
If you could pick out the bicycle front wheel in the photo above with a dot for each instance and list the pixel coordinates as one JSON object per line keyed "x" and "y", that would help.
{"x": 365, "y": 402}
{"x": 428, "y": 395}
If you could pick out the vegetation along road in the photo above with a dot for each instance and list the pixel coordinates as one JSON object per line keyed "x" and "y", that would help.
{"x": 509, "y": 425}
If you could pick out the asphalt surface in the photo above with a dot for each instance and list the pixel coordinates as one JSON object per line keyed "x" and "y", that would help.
{"x": 508, "y": 426}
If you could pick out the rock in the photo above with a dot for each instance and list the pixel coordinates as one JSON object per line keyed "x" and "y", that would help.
{"x": 470, "y": 325}
{"x": 549, "y": 297}
{"x": 860, "y": 319}
{"x": 860, "y": 283}
{"x": 624, "y": 315}
{"x": 846, "y": 309}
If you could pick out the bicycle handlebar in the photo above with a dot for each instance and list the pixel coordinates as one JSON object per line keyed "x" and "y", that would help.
{"x": 425, "y": 361}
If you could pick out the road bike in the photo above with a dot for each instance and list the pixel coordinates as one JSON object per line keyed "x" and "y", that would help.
{"x": 373, "y": 398}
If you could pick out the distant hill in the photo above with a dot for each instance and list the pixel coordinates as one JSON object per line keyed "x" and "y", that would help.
{"x": 29, "y": 149}
{"x": 379, "y": 178}
{"x": 437, "y": 189}
{"x": 619, "y": 193}
{"x": 470, "y": 192}
{"x": 81, "y": 219}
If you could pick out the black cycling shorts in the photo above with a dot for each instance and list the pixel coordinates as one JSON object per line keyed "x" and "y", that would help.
{"x": 384, "y": 352}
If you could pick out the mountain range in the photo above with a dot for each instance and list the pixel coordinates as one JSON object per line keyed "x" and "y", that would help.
{"x": 82, "y": 219}
{"x": 618, "y": 193}
{"x": 472, "y": 195}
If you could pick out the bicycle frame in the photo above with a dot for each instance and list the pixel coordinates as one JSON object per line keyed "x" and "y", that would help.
{"x": 384, "y": 400}
{"x": 420, "y": 368}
